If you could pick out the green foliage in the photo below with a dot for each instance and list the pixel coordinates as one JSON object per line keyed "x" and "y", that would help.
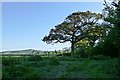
{"x": 112, "y": 43}
{"x": 113, "y": 13}
{"x": 110, "y": 46}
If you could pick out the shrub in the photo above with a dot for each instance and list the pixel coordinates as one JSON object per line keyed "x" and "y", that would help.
{"x": 110, "y": 46}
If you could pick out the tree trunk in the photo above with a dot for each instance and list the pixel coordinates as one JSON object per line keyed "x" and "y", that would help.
{"x": 72, "y": 44}
{"x": 72, "y": 48}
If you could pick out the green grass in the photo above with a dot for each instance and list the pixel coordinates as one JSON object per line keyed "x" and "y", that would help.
{"x": 92, "y": 69}
{"x": 59, "y": 67}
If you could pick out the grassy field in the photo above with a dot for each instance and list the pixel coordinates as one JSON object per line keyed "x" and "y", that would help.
{"x": 29, "y": 67}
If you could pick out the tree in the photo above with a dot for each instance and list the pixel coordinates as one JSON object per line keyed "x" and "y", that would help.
{"x": 112, "y": 12}
{"x": 74, "y": 28}
{"x": 110, "y": 46}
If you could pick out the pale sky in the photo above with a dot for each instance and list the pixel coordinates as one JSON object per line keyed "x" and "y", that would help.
{"x": 24, "y": 24}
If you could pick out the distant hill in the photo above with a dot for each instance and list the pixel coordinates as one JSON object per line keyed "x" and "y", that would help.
{"x": 22, "y": 52}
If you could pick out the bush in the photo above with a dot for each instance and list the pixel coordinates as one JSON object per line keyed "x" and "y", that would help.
{"x": 110, "y": 46}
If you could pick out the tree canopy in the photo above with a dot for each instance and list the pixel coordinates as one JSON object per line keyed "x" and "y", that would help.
{"x": 75, "y": 27}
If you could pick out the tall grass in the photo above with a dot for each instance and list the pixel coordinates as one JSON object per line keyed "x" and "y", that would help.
{"x": 24, "y": 67}
{"x": 93, "y": 69}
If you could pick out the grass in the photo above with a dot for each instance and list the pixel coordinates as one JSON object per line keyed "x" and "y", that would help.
{"x": 59, "y": 67}
{"x": 93, "y": 69}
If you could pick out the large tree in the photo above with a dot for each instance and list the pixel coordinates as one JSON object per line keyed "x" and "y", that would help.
{"x": 74, "y": 28}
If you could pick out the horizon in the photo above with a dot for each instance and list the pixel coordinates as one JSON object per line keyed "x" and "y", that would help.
{"x": 24, "y": 24}
{"x": 26, "y": 49}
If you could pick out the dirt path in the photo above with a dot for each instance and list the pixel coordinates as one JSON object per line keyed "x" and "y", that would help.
{"x": 58, "y": 70}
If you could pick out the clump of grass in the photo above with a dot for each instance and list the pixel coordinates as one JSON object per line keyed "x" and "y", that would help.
{"x": 34, "y": 74}
{"x": 14, "y": 71}
{"x": 35, "y": 63}
{"x": 10, "y": 61}
{"x": 21, "y": 71}
{"x": 99, "y": 57}
{"x": 93, "y": 68}
{"x": 74, "y": 68}
{"x": 110, "y": 67}
{"x": 64, "y": 75}
{"x": 35, "y": 58}
{"x": 103, "y": 68}
{"x": 54, "y": 61}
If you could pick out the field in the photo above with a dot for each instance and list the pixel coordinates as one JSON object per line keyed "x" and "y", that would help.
{"x": 89, "y": 38}
{"x": 29, "y": 67}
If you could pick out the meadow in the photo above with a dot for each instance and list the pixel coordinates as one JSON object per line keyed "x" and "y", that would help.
{"x": 62, "y": 67}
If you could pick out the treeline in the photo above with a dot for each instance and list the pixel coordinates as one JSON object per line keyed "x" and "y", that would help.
{"x": 90, "y": 33}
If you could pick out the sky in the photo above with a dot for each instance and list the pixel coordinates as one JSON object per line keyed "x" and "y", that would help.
{"x": 24, "y": 24}
{"x": 53, "y": 0}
